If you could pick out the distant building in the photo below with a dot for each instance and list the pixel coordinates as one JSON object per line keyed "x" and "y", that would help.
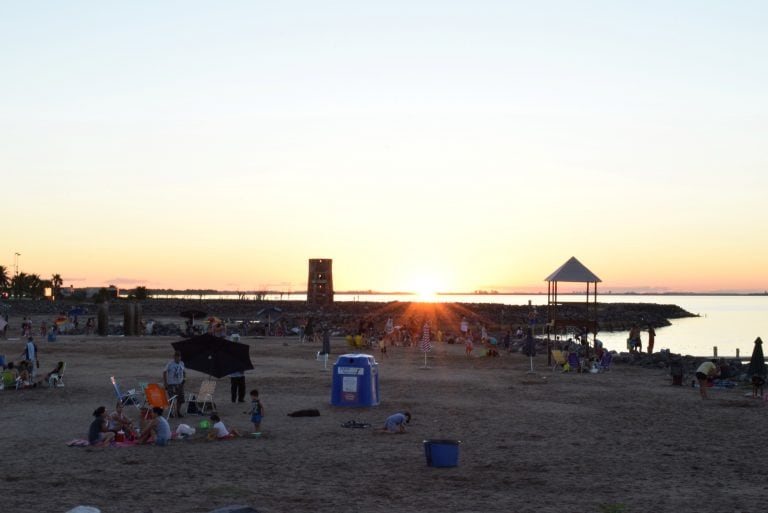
{"x": 320, "y": 282}
{"x": 89, "y": 292}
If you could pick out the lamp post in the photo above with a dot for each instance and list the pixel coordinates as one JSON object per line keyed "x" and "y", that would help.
{"x": 16, "y": 263}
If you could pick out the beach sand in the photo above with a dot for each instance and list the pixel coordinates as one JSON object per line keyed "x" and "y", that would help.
{"x": 623, "y": 440}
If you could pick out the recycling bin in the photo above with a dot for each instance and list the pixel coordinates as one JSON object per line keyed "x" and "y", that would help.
{"x": 355, "y": 381}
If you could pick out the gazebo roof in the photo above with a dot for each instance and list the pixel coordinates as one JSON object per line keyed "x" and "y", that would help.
{"x": 573, "y": 271}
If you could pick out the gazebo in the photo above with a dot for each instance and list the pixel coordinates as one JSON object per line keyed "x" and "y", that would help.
{"x": 575, "y": 272}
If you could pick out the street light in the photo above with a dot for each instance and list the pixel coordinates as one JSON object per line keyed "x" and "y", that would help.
{"x": 16, "y": 263}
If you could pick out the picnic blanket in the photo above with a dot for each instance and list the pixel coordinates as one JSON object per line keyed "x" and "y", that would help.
{"x": 82, "y": 442}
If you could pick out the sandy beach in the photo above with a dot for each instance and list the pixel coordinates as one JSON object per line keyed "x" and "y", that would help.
{"x": 623, "y": 440}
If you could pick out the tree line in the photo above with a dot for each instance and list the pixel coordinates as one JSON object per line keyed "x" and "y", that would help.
{"x": 32, "y": 286}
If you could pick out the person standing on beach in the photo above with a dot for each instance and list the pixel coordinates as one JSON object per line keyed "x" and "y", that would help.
{"x": 651, "y": 338}
{"x": 705, "y": 371}
{"x": 173, "y": 379}
{"x": 257, "y": 411}
{"x": 464, "y": 328}
{"x": 30, "y": 354}
{"x": 237, "y": 387}
{"x": 635, "y": 344}
{"x": 389, "y": 331}
{"x": 309, "y": 331}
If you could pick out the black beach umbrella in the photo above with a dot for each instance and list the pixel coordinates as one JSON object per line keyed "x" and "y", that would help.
{"x": 214, "y": 356}
{"x": 757, "y": 361}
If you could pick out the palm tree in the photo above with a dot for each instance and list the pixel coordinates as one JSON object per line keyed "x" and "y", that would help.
{"x": 140, "y": 293}
{"x": 5, "y": 282}
{"x": 31, "y": 285}
{"x": 19, "y": 284}
{"x": 36, "y": 286}
{"x": 56, "y": 283}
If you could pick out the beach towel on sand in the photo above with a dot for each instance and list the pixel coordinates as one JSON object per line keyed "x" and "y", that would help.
{"x": 355, "y": 424}
{"x": 305, "y": 413}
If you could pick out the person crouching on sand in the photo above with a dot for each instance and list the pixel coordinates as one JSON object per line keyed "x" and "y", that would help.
{"x": 395, "y": 423}
{"x": 705, "y": 371}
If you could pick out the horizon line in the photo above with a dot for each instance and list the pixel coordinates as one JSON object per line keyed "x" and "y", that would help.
{"x": 472, "y": 293}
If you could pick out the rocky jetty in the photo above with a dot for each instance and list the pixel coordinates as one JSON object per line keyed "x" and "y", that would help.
{"x": 347, "y": 316}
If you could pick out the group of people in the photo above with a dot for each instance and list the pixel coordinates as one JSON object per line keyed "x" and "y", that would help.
{"x": 106, "y": 429}
{"x": 25, "y": 373}
{"x": 635, "y": 343}
{"x": 154, "y": 426}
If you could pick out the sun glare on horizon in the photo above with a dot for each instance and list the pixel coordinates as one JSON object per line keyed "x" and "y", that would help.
{"x": 425, "y": 289}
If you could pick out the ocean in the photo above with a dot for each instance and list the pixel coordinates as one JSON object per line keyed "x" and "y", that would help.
{"x": 728, "y": 323}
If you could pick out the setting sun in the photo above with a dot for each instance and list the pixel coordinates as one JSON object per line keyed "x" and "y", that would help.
{"x": 425, "y": 290}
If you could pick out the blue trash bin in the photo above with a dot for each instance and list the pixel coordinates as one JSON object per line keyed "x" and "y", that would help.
{"x": 442, "y": 453}
{"x": 355, "y": 381}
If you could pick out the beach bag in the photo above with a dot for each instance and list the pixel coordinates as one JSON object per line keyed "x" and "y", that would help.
{"x": 185, "y": 430}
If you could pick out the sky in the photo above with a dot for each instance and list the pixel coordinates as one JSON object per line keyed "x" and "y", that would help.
{"x": 446, "y": 146}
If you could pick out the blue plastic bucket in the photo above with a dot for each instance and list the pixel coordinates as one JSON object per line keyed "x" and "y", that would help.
{"x": 442, "y": 453}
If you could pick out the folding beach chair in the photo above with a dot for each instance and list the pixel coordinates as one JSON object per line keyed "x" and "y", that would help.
{"x": 56, "y": 379}
{"x": 574, "y": 363}
{"x": 127, "y": 398}
{"x": 559, "y": 358}
{"x": 203, "y": 401}
{"x": 156, "y": 395}
{"x": 10, "y": 381}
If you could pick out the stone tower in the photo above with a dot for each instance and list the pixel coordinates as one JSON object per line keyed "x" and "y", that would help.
{"x": 320, "y": 282}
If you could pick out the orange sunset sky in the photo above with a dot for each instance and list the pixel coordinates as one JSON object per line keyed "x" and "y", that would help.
{"x": 449, "y": 146}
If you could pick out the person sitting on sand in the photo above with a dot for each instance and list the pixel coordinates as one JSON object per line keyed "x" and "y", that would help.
{"x": 45, "y": 378}
{"x": 11, "y": 367}
{"x": 396, "y": 423}
{"x": 118, "y": 421}
{"x": 219, "y": 431}
{"x": 24, "y": 374}
{"x": 157, "y": 430}
{"x": 98, "y": 434}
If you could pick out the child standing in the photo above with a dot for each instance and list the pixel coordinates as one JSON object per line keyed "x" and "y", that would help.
{"x": 257, "y": 411}
{"x": 468, "y": 346}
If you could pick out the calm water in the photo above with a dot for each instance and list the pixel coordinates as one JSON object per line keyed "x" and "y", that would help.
{"x": 726, "y": 322}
